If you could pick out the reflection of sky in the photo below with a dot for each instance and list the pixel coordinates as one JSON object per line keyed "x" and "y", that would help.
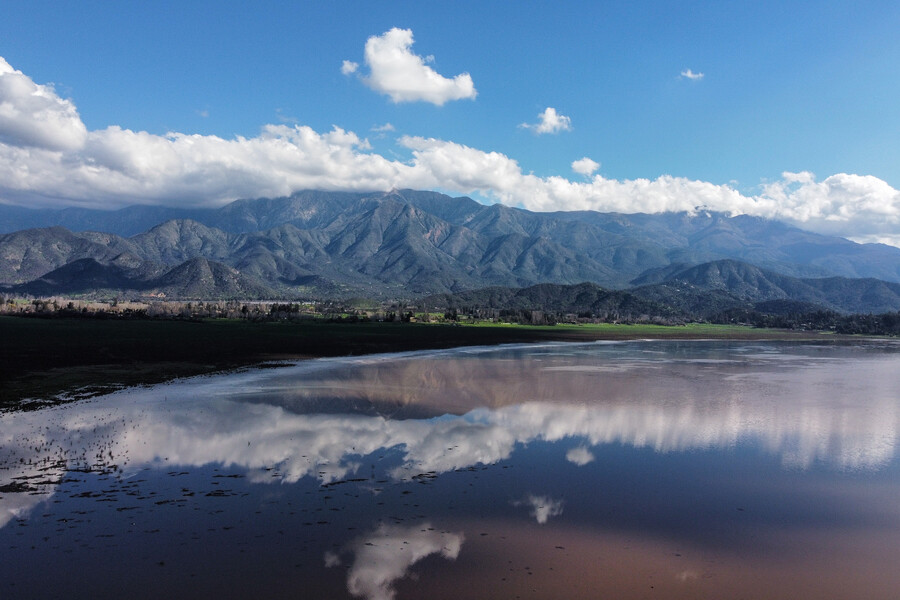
{"x": 386, "y": 555}
{"x": 579, "y": 456}
{"x": 542, "y": 507}
{"x": 801, "y": 409}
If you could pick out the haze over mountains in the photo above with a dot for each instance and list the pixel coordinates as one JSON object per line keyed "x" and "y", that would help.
{"x": 412, "y": 243}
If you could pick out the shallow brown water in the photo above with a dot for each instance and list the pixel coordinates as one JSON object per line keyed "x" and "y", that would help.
{"x": 621, "y": 470}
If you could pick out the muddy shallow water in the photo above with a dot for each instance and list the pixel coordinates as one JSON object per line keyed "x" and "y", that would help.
{"x": 623, "y": 470}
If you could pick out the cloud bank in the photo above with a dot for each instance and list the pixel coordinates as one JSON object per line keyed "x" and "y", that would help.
{"x": 403, "y": 76}
{"x": 49, "y": 158}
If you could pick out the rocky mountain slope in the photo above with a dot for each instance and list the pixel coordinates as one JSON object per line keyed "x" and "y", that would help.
{"x": 411, "y": 243}
{"x": 698, "y": 291}
{"x": 748, "y": 282}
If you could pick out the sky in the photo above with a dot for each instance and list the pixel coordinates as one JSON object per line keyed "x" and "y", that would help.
{"x": 786, "y": 110}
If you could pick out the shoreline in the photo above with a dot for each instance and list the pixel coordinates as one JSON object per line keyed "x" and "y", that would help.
{"x": 52, "y": 361}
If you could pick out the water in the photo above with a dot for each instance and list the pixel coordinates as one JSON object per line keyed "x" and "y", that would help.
{"x": 622, "y": 470}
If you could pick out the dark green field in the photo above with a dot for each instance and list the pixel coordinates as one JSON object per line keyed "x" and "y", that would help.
{"x": 41, "y": 359}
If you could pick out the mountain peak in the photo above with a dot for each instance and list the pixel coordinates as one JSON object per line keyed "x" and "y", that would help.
{"x": 417, "y": 242}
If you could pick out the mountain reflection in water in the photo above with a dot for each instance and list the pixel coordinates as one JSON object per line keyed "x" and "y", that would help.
{"x": 391, "y": 422}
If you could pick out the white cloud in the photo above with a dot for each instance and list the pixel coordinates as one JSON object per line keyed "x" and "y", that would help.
{"x": 32, "y": 115}
{"x": 842, "y": 204}
{"x": 49, "y": 158}
{"x": 348, "y": 67}
{"x": 436, "y": 161}
{"x": 551, "y": 122}
{"x": 448, "y": 165}
{"x": 585, "y": 166}
{"x": 406, "y": 77}
{"x": 688, "y": 74}
{"x": 383, "y": 128}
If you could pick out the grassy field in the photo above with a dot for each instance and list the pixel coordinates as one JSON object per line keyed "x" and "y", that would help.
{"x": 41, "y": 359}
{"x": 621, "y": 331}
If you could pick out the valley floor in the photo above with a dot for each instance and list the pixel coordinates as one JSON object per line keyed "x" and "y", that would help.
{"x": 49, "y": 360}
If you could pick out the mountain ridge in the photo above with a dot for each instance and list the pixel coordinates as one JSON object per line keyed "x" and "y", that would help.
{"x": 408, "y": 243}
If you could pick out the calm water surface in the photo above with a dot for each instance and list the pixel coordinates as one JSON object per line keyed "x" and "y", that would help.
{"x": 617, "y": 470}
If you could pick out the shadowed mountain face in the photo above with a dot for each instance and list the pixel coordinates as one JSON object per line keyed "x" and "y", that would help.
{"x": 586, "y": 298}
{"x": 194, "y": 278}
{"x": 750, "y": 283}
{"x": 411, "y": 243}
{"x": 26, "y": 255}
{"x": 703, "y": 290}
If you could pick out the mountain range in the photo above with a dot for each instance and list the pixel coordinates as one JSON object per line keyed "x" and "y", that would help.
{"x": 406, "y": 244}
{"x": 703, "y": 290}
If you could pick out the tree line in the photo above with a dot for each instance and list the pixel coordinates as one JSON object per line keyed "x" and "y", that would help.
{"x": 398, "y": 311}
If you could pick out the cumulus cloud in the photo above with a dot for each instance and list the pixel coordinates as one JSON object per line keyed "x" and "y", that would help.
{"x": 383, "y": 128}
{"x": 394, "y": 70}
{"x": 120, "y": 166}
{"x": 842, "y": 204}
{"x": 688, "y": 74}
{"x": 439, "y": 163}
{"x": 585, "y": 166}
{"x": 34, "y": 116}
{"x": 550, "y": 122}
{"x": 49, "y": 158}
{"x": 838, "y": 204}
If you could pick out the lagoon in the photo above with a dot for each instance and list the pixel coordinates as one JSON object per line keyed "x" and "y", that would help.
{"x": 674, "y": 469}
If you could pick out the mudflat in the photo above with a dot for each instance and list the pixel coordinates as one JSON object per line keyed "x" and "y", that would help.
{"x": 57, "y": 359}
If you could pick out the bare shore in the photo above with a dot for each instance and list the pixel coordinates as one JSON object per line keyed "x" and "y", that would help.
{"x": 52, "y": 360}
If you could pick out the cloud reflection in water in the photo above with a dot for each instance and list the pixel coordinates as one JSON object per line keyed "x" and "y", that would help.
{"x": 579, "y": 456}
{"x": 783, "y": 410}
{"x": 542, "y": 507}
{"x": 387, "y": 554}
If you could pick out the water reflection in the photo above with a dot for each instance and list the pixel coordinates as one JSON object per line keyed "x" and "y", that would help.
{"x": 329, "y": 447}
{"x": 385, "y": 555}
{"x": 790, "y": 404}
{"x": 542, "y": 507}
{"x": 579, "y": 456}
{"x": 644, "y": 441}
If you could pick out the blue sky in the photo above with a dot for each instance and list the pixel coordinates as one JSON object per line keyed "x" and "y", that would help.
{"x": 804, "y": 88}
